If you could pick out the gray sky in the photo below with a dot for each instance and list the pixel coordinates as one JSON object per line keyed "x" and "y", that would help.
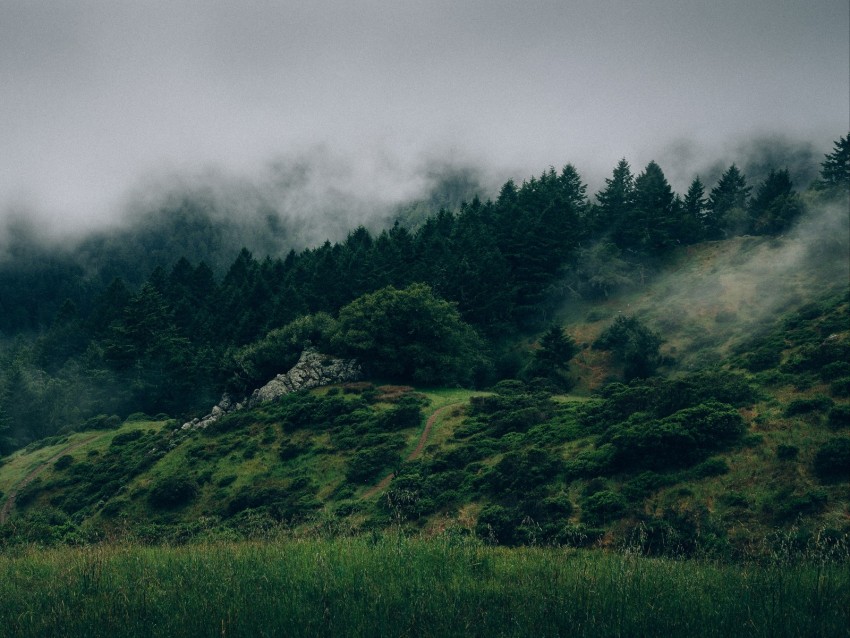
{"x": 101, "y": 98}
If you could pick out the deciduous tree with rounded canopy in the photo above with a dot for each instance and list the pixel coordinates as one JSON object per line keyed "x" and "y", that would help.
{"x": 412, "y": 335}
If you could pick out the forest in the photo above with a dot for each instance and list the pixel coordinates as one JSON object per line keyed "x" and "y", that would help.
{"x": 433, "y": 300}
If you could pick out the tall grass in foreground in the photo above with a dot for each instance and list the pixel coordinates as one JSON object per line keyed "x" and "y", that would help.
{"x": 400, "y": 587}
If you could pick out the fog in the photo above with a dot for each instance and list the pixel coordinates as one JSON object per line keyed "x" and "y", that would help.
{"x": 727, "y": 292}
{"x": 107, "y": 107}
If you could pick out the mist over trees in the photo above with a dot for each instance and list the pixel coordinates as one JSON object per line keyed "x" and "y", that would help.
{"x": 444, "y": 292}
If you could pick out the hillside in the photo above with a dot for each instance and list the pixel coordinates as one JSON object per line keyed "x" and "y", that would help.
{"x": 644, "y": 370}
{"x": 740, "y": 448}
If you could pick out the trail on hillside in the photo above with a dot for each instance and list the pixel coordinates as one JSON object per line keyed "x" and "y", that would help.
{"x": 415, "y": 454}
{"x": 10, "y": 500}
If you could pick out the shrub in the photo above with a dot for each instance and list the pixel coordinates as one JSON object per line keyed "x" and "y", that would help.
{"x": 406, "y": 414}
{"x": 839, "y": 416}
{"x": 367, "y": 464}
{"x": 173, "y": 491}
{"x": 840, "y": 387}
{"x": 710, "y": 467}
{"x": 603, "y": 507}
{"x": 63, "y": 462}
{"x": 835, "y": 370}
{"x": 817, "y": 403}
{"x": 635, "y": 345}
{"x": 126, "y": 437}
{"x": 678, "y": 440}
{"x": 103, "y": 422}
{"x": 832, "y": 461}
{"x": 762, "y": 359}
{"x": 787, "y": 452}
{"x": 498, "y": 524}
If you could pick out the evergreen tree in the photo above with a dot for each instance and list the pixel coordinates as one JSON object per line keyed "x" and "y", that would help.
{"x": 835, "y": 169}
{"x": 695, "y": 210}
{"x": 652, "y": 224}
{"x": 552, "y": 358}
{"x": 775, "y": 205}
{"x": 616, "y": 201}
{"x": 727, "y": 205}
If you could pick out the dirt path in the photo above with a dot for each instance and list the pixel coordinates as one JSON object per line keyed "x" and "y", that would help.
{"x": 417, "y": 452}
{"x": 10, "y": 500}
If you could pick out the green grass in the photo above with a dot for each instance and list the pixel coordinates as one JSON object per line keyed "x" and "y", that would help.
{"x": 392, "y": 586}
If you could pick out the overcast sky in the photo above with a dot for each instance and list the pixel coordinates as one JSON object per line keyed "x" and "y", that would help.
{"x": 97, "y": 96}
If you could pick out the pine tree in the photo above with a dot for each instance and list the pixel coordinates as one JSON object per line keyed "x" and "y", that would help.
{"x": 653, "y": 223}
{"x": 695, "y": 210}
{"x": 835, "y": 169}
{"x": 727, "y": 205}
{"x": 616, "y": 201}
{"x": 775, "y": 205}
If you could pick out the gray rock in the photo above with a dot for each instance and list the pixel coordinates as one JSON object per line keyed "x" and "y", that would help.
{"x": 313, "y": 370}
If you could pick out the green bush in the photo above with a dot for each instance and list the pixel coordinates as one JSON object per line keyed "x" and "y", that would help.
{"x": 763, "y": 359}
{"x": 787, "y": 452}
{"x": 840, "y": 387}
{"x": 63, "y": 462}
{"x": 173, "y": 491}
{"x": 126, "y": 437}
{"x": 103, "y": 422}
{"x": 835, "y": 370}
{"x": 817, "y": 403}
{"x": 678, "y": 440}
{"x": 839, "y": 416}
{"x": 710, "y": 467}
{"x": 634, "y": 345}
{"x": 832, "y": 461}
{"x": 603, "y": 507}
{"x": 368, "y": 464}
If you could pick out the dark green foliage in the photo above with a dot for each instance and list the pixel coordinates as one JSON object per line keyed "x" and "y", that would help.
{"x": 787, "y": 506}
{"x": 839, "y": 416}
{"x": 603, "y": 507}
{"x": 835, "y": 370}
{"x": 807, "y": 405}
{"x": 509, "y": 410}
{"x": 103, "y": 422}
{"x": 173, "y": 491}
{"x": 832, "y": 461}
{"x": 787, "y": 452}
{"x": 63, "y": 462}
{"x": 678, "y": 440}
{"x": 764, "y": 358}
{"x": 680, "y": 533}
{"x": 411, "y": 335}
{"x": 124, "y": 438}
{"x": 551, "y": 359}
{"x": 519, "y": 472}
{"x": 775, "y": 205}
{"x": 835, "y": 169}
{"x": 405, "y": 414}
{"x": 370, "y": 463}
{"x": 727, "y": 205}
{"x": 840, "y": 387}
{"x": 708, "y": 468}
{"x": 290, "y": 504}
{"x": 635, "y": 346}
{"x": 253, "y": 365}
{"x": 645, "y": 484}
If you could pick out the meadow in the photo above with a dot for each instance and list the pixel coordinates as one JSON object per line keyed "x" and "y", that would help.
{"x": 390, "y": 585}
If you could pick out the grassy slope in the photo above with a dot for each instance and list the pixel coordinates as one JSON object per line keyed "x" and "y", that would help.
{"x": 706, "y": 316}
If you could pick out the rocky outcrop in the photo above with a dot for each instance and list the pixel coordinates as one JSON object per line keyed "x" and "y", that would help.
{"x": 313, "y": 370}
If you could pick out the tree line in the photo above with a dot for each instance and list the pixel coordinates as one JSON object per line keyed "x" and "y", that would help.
{"x": 483, "y": 273}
